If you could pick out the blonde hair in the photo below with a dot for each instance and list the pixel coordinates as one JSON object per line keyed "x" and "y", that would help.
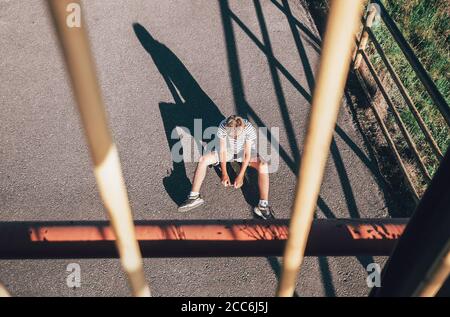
{"x": 234, "y": 122}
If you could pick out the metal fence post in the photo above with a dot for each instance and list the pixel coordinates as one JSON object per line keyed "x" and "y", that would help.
{"x": 343, "y": 20}
{"x": 371, "y": 14}
{"x": 3, "y": 291}
{"x": 107, "y": 169}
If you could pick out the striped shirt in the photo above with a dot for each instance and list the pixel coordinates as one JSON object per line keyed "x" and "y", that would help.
{"x": 236, "y": 145}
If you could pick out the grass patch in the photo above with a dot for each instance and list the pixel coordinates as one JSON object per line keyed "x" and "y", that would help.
{"x": 426, "y": 26}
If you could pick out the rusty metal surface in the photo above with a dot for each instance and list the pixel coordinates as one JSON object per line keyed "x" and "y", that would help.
{"x": 198, "y": 238}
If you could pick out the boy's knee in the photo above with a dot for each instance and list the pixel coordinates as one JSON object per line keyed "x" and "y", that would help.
{"x": 263, "y": 167}
{"x": 203, "y": 160}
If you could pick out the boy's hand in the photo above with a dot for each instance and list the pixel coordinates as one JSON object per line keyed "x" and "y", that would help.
{"x": 239, "y": 182}
{"x": 226, "y": 180}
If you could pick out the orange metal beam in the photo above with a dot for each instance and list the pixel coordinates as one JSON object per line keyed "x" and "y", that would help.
{"x": 198, "y": 238}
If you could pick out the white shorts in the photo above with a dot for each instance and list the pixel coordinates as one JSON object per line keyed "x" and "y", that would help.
{"x": 236, "y": 157}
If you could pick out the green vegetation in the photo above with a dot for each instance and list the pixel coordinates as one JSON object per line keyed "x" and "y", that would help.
{"x": 426, "y": 26}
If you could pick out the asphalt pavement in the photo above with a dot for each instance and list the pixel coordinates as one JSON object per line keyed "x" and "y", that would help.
{"x": 161, "y": 64}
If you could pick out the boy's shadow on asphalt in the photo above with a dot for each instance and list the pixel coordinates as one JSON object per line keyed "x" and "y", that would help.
{"x": 191, "y": 103}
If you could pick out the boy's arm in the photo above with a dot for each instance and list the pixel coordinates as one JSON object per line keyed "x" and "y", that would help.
{"x": 223, "y": 156}
{"x": 247, "y": 158}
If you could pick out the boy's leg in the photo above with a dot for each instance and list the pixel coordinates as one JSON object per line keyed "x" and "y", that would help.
{"x": 202, "y": 167}
{"x": 263, "y": 178}
{"x": 263, "y": 210}
{"x": 194, "y": 199}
